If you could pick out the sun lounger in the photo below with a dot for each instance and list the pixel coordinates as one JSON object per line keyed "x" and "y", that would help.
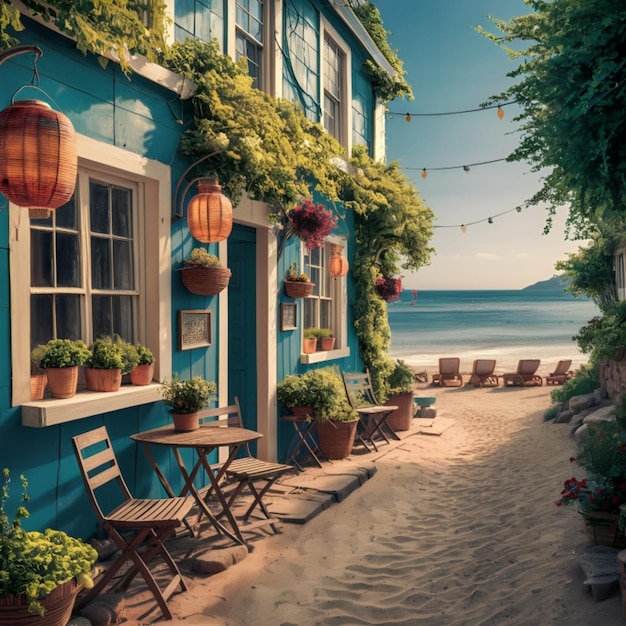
{"x": 561, "y": 373}
{"x": 482, "y": 373}
{"x": 525, "y": 375}
{"x": 448, "y": 375}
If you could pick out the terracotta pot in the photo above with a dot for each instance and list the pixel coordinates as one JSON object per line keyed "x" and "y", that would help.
{"x": 103, "y": 379}
{"x": 336, "y": 439}
{"x": 38, "y": 384}
{"x": 62, "y": 381}
{"x": 142, "y": 375}
{"x": 402, "y": 417}
{"x": 309, "y": 345}
{"x": 186, "y": 421}
{"x": 298, "y": 289}
{"x": 327, "y": 343}
{"x": 302, "y": 410}
{"x": 58, "y": 606}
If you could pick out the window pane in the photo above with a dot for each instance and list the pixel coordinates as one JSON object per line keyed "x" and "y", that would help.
{"x": 122, "y": 218}
{"x": 99, "y": 209}
{"x": 40, "y": 319}
{"x": 123, "y": 317}
{"x": 66, "y": 216}
{"x": 102, "y": 319}
{"x": 68, "y": 316}
{"x": 100, "y": 263}
{"x": 123, "y": 264}
{"x": 68, "y": 261}
{"x": 41, "y": 258}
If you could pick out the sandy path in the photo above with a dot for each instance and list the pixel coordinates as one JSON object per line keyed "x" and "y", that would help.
{"x": 454, "y": 530}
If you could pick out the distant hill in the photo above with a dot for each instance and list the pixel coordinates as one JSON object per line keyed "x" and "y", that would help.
{"x": 556, "y": 283}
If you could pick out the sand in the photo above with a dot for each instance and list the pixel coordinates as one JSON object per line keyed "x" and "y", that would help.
{"x": 456, "y": 529}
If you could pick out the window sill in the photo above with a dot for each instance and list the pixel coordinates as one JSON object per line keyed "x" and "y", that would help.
{"x": 318, "y": 357}
{"x": 53, "y": 411}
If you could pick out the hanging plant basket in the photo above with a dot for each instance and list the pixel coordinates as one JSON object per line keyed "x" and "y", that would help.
{"x": 298, "y": 289}
{"x": 205, "y": 281}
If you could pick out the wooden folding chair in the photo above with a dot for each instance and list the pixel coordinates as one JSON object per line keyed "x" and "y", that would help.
{"x": 246, "y": 470}
{"x": 372, "y": 415}
{"x": 138, "y": 527}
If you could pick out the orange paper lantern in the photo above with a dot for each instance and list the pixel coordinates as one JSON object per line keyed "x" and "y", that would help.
{"x": 37, "y": 155}
{"x": 338, "y": 265}
{"x": 210, "y": 213}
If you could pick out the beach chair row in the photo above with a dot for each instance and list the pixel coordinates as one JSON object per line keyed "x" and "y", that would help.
{"x": 483, "y": 373}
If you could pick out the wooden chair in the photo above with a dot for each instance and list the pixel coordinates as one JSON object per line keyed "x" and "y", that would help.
{"x": 246, "y": 470}
{"x": 138, "y": 527}
{"x": 372, "y": 415}
{"x": 483, "y": 373}
{"x": 525, "y": 375}
{"x": 561, "y": 373}
{"x": 448, "y": 375}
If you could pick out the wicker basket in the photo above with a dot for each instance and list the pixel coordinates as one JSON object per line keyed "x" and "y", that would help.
{"x": 205, "y": 281}
{"x": 336, "y": 438}
{"x": 58, "y": 606}
{"x": 298, "y": 289}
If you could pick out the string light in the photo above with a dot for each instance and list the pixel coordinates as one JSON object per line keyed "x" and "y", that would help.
{"x": 465, "y": 168}
{"x": 489, "y": 220}
{"x": 463, "y": 228}
{"x": 408, "y": 116}
{"x": 424, "y": 173}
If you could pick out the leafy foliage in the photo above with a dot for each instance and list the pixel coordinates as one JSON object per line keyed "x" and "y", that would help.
{"x": 200, "y": 257}
{"x": 584, "y": 381}
{"x": 64, "y": 353}
{"x": 187, "y": 396}
{"x": 604, "y": 337}
{"x": 401, "y": 378}
{"x": 572, "y": 88}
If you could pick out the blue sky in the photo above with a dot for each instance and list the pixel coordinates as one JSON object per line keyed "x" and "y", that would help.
{"x": 451, "y": 67}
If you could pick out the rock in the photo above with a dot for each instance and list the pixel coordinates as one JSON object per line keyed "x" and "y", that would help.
{"x": 563, "y": 417}
{"x": 104, "y": 610}
{"x": 601, "y": 569}
{"x": 216, "y": 560}
{"x": 426, "y": 412}
{"x": 603, "y": 414}
{"x": 579, "y": 403}
{"x": 79, "y": 621}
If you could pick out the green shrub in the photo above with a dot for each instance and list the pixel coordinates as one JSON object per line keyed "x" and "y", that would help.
{"x": 401, "y": 378}
{"x": 604, "y": 337}
{"x": 551, "y": 413}
{"x": 585, "y": 381}
{"x": 64, "y": 353}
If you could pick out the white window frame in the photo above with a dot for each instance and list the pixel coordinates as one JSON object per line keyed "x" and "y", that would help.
{"x": 154, "y": 181}
{"x": 345, "y": 110}
{"x": 339, "y": 295}
{"x": 266, "y": 82}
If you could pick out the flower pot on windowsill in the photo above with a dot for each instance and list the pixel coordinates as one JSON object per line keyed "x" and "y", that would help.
{"x": 38, "y": 384}
{"x": 298, "y": 288}
{"x": 326, "y": 343}
{"x": 309, "y": 345}
{"x": 62, "y": 381}
{"x": 205, "y": 281}
{"x": 142, "y": 374}
{"x": 103, "y": 379}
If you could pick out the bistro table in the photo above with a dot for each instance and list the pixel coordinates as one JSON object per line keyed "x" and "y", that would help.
{"x": 203, "y": 440}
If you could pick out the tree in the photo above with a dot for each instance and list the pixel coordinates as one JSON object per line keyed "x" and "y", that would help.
{"x": 572, "y": 91}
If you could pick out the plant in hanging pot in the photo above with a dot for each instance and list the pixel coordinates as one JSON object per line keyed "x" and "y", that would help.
{"x": 61, "y": 360}
{"x": 143, "y": 373}
{"x": 186, "y": 398}
{"x": 297, "y": 283}
{"x": 601, "y": 493}
{"x": 400, "y": 394}
{"x": 103, "y": 369}
{"x": 40, "y": 573}
{"x": 203, "y": 274}
{"x": 38, "y": 377}
{"x": 311, "y": 223}
{"x": 388, "y": 287}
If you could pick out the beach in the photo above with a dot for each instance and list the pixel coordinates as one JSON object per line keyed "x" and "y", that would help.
{"x": 459, "y": 529}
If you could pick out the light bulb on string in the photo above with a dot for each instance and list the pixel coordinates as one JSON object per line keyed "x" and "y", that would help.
{"x": 408, "y": 117}
{"x": 424, "y": 174}
{"x": 518, "y": 209}
{"x": 490, "y": 220}
{"x": 500, "y": 112}
{"x": 466, "y": 169}
{"x": 463, "y": 228}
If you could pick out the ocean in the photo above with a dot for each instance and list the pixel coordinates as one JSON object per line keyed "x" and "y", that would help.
{"x": 507, "y": 325}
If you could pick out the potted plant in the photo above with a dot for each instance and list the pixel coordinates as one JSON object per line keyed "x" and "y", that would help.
{"x": 203, "y": 274}
{"x": 309, "y": 341}
{"x": 143, "y": 373}
{"x": 400, "y": 394}
{"x": 311, "y": 223}
{"x": 38, "y": 378}
{"x": 294, "y": 393}
{"x": 388, "y": 288}
{"x": 103, "y": 368}
{"x": 325, "y": 339}
{"x": 186, "y": 398}
{"x": 41, "y": 572}
{"x": 61, "y": 360}
{"x": 297, "y": 283}
{"x": 600, "y": 494}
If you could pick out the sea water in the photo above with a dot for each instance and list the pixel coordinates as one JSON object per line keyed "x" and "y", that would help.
{"x": 507, "y": 325}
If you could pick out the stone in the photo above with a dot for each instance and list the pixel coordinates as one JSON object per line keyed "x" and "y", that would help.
{"x": 104, "y": 610}
{"x": 601, "y": 568}
{"x": 603, "y": 414}
{"x": 79, "y": 621}
{"x": 215, "y": 561}
{"x": 427, "y": 413}
{"x": 579, "y": 403}
{"x": 563, "y": 417}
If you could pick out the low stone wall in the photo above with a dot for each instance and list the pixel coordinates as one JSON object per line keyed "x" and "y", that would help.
{"x": 612, "y": 378}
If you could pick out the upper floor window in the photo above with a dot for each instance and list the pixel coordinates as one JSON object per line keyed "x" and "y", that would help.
{"x": 203, "y": 19}
{"x": 83, "y": 264}
{"x": 334, "y": 76}
{"x": 362, "y": 108}
{"x": 249, "y": 37}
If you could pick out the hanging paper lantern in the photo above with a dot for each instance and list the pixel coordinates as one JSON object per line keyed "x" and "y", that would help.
{"x": 338, "y": 265}
{"x": 37, "y": 155}
{"x": 210, "y": 213}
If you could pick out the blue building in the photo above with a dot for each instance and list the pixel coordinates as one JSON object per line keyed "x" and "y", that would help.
{"x": 108, "y": 261}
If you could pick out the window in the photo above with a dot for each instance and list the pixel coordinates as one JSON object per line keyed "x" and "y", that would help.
{"x": 98, "y": 265}
{"x": 203, "y": 19}
{"x": 362, "y": 107}
{"x": 96, "y": 229}
{"x": 249, "y": 37}
{"x": 333, "y": 79}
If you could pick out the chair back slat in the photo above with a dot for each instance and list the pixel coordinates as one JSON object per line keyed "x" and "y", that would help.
{"x": 449, "y": 365}
{"x": 562, "y": 367}
{"x": 223, "y": 416}
{"x": 359, "y": 389}
{"x": 484, "y": 367}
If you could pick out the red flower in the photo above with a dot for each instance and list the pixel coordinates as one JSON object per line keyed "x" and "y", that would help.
{"x": 388, "y": 288}
{"x": 312, "y": 223}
